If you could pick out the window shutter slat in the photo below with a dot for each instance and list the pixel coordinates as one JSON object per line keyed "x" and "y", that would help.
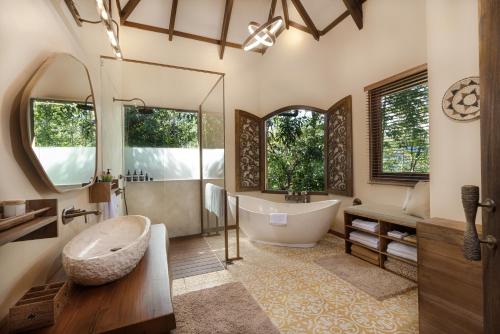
{"x": 339, "y": 148}
{"x": 249, "y": 158}
{"x": 395, "y": 154}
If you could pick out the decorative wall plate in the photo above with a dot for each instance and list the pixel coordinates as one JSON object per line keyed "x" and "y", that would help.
{"x": 461, "y": 100}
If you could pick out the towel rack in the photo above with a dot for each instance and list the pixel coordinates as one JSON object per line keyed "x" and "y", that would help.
{"x": 236, "y": 227}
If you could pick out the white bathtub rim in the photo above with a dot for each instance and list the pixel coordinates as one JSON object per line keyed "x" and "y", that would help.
{"x": 310, "y": 209}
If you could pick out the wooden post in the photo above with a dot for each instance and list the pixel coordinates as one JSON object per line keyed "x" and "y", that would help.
{"x": 226, "y": 231}
{"x": 237, "y": 227}
{"x": 489, "y": 68}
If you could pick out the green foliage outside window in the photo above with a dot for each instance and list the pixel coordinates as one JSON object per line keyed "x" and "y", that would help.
{"x": 165, "y": 128}
{"x": 213, "y": 130}
{"x": 62, "y": 124}
{"x": 406, "y": 131}
{"x": 295, "y": 151}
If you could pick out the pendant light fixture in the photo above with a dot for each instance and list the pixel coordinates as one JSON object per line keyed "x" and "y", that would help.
{"x": 264, "y": 34}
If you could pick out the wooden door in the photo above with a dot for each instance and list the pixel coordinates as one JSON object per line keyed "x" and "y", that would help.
{"x": 489, "y": 59}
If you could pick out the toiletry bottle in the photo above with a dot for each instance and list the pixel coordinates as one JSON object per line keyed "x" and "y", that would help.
{"x": 135, "y": 178}
{"x": 147, "y": 177}
{"x": 128, "y": 178}
{"x": 141, "y": 176}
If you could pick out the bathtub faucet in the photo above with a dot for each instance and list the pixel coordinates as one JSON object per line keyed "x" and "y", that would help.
{"x": 302, "y": 197}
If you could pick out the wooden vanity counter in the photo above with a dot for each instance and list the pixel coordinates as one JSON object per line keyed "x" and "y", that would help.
{"x": 138, "y": 303}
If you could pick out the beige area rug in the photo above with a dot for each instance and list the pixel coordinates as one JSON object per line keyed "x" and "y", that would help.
{"x": 227, "y": 308}
{"x": 376, "y": 282}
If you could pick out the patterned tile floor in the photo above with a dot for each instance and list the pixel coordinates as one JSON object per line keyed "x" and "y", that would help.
{"x": 301, "y": 297}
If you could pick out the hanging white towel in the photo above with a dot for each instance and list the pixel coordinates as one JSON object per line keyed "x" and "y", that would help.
{"x": 208, "y": 196}
{"x": 214, "y": 199}
{"x": 280, "y": 219}
{"x": 111, "y": 207}
{"x": 218, "y": 201}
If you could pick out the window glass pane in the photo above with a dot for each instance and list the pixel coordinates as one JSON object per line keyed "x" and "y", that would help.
{"x": 405, "y": 130}
{"x": 64, "y": 140}
{"x": 162, "y": 143}
{"x": 62, "y": 124}
{"x": 295, "y": 151}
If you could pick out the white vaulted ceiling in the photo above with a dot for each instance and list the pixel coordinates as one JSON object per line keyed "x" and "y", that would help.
{"x": 205, "y": 17}
{"x": 202, "y": 20}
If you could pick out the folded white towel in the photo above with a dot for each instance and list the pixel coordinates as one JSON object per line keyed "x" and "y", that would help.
{"x": 364, "y": 242}
{"x": 278, "y": 219}
{"x": 397, "y": 234}
{"x": 365, "y": 239}
{"x": 364, "y": 236}
{"x": 394, "y": 245}
{"x": 365, "y": 225}
{"x": 404, "y": 255}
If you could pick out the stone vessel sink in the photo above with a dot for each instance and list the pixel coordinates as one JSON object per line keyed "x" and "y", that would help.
{"x": 106, "y": 251}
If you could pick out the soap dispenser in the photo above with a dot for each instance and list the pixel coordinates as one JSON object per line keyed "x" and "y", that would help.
{"x": 128, "y": 177}
{"x": 141, "y": 176}
{"x": 135, "y": 177}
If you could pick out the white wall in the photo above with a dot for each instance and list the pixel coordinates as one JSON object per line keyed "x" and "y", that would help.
{"x": 29, "y": 31}
{"x": 299, "y": 70}
{"x": 455, "y": 146}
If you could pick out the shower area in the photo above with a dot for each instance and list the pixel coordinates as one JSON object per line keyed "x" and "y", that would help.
{"x": 162, "y": 131}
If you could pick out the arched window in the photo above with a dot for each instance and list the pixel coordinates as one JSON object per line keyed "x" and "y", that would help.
{"x": 295, "y": 150}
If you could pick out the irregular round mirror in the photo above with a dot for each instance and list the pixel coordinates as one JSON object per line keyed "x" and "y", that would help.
{"x": 58, "y": 123}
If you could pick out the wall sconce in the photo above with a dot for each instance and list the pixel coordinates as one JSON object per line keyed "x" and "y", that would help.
{"x": 106, "y": 19}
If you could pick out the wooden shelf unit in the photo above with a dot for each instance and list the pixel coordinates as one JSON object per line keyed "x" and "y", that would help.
{"x": 42, "y": 225}
{"x": 381, "y": 234}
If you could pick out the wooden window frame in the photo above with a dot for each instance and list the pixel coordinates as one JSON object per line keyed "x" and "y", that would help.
{"x": 377, "y": 176}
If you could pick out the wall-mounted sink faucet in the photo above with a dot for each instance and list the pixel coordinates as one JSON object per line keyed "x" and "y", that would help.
{"x": 69, "y": 214}
{"x": 302, "y": 197}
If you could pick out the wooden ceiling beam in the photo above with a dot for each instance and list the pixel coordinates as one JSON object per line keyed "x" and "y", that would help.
{"x": 306, "y": 18}
{"x": 184, "y": 35}
{"x": 285, "y": 13}
{"x": 300, "y": 27}
{"x": 269, "y": 18}
{"x": 335, "y": 23}
{"x": 355, "y": 8}
{"x": 272, "y": 9}
{"x": 119, "y": 7}
{"x": 225, "y": 27}
{"x": 128, "y": 9}
{"x": 171, "y": 25}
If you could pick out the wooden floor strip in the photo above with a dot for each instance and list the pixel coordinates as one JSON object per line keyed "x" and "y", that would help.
{"x": 191, "y": 257}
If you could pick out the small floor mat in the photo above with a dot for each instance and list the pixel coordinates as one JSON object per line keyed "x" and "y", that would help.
{"x": 227, "y": 308}
{"x": 378, "y": 283}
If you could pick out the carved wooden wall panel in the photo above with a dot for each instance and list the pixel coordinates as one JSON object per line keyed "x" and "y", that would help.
{"x": 248, "y": 134}
{"x": 339, "y": 148}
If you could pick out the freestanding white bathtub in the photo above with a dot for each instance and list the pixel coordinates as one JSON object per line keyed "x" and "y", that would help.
{"x": 307, "y": 222}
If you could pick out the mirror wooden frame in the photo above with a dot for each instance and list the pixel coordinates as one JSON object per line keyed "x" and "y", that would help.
{"x": 24, "y": 112}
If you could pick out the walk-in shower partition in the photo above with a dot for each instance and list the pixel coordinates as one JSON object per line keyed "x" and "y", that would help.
{"x": 170, "y": 121}
{"x": 211, "y": 114}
